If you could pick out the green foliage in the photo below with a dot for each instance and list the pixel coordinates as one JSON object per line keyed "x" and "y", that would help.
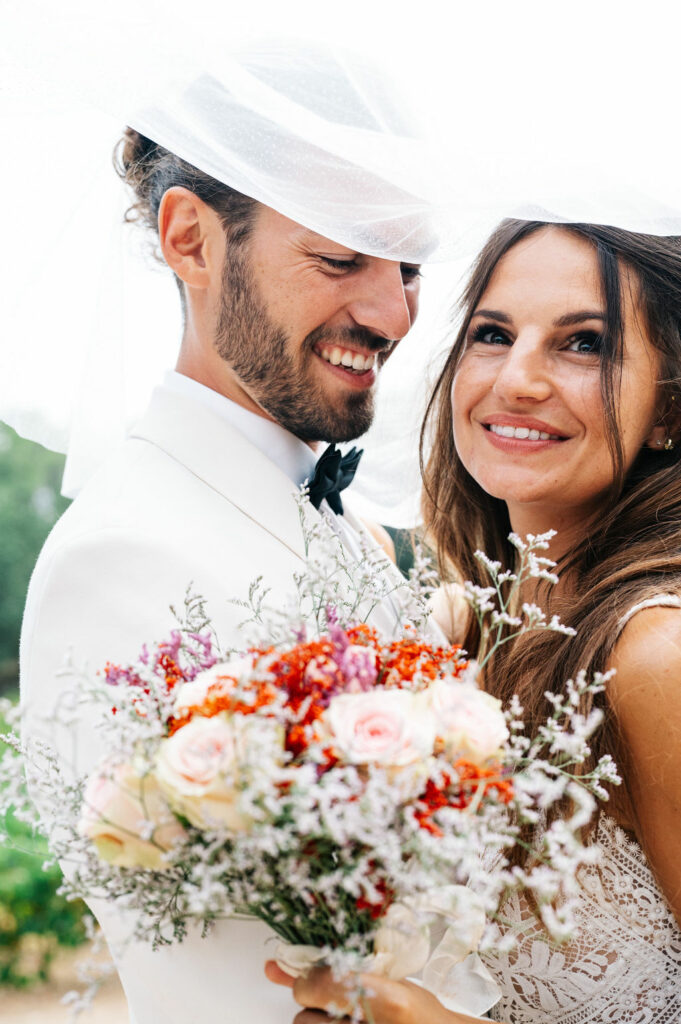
{"x": 34, "y": 919}
{"x": 30, "y": 503}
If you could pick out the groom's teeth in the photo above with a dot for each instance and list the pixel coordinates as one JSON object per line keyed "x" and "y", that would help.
{"x": 522, "y": 433}
{"x": 350, "y": 360}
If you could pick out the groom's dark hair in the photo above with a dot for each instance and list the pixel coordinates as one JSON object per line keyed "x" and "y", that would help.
{"x": 150, "y": 170}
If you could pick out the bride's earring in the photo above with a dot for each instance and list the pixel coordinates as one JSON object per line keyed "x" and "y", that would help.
{"x": 660, "y": 440}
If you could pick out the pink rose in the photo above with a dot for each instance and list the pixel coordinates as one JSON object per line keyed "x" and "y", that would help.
{"x": 469, "y": 722}
{"x": 387, "y": 727}
{"x": 200, "y": 767}
{"x": 128, "y": 819}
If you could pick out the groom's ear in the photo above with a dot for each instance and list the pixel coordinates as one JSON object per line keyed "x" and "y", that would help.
{"x": 192, "y": 238}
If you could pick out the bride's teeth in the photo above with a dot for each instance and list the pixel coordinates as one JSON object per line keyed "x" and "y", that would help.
{"x": 335, "y": 356}
{"x": 521, "y": 433}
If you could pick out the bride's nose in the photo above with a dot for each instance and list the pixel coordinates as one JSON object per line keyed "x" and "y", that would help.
{"x": 524, "y": 372}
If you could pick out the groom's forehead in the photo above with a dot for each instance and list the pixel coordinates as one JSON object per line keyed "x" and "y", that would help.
{"x": 276, "y": 226}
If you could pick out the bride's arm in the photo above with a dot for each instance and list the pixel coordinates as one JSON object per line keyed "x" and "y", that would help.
{"x": 391, "y": 1002}
{"x": 645, "y": 695}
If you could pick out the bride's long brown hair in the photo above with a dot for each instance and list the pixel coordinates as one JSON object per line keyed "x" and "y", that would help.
{"x": 633, "y": 550}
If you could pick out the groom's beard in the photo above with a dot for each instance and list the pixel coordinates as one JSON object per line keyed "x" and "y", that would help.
{"x": 285, "y": 384}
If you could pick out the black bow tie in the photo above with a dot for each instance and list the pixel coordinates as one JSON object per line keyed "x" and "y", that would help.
{"x": 332, "y": 474}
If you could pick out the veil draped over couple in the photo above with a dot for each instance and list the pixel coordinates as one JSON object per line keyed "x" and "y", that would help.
{"x": 295, "y": 230}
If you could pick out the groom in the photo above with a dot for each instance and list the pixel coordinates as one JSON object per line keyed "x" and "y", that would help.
{"x": 284, "y": 337}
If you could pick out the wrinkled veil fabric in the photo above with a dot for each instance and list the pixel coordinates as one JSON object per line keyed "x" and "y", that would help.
{"x": 407, "y": 138}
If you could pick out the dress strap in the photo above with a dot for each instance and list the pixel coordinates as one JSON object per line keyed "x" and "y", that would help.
{"x": 656, "y": 601}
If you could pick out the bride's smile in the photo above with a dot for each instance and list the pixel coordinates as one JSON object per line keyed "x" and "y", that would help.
{"x": 528, "y": 413}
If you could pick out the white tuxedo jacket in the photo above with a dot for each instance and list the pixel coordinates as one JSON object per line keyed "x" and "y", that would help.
{"x": 187, "y": 499}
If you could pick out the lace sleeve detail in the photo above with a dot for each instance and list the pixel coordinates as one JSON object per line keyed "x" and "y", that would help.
{"x": 624, "y": 965}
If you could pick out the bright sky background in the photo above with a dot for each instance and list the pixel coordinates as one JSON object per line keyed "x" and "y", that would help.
{"x": 535, "y": 99}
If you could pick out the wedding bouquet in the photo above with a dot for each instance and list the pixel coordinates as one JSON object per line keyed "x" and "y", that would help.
{"x": 358, "y": 793}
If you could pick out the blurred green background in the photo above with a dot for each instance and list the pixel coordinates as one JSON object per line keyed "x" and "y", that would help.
{"x": 34, "y": 919}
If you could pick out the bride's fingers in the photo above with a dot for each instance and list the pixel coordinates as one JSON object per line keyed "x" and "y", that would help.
{"x": 318, "y": 990}
{"x": 383, "y": 1001}
{"x": 314, "y": 1017}
{"x": 274, "y": 973}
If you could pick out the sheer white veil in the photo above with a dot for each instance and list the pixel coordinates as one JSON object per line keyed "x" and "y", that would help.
{"x": 447, "y": 118}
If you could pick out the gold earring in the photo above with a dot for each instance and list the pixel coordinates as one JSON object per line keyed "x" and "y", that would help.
{"x": 669, "y": 445}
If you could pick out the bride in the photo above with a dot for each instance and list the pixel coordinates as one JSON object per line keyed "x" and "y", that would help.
{"x": 558, "y": 408}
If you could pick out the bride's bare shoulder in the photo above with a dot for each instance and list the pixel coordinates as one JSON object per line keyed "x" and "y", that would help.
{"x": 645, "y": 697}
{"x": 451, "y": 611}
{"x": 648, "y": 649}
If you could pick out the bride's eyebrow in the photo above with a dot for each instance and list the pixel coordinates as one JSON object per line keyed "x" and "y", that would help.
{"x": 570, "y": 319}
{"x": 494, "y": 314}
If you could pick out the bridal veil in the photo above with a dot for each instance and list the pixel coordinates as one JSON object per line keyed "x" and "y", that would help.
{"x": 405, "y": 136}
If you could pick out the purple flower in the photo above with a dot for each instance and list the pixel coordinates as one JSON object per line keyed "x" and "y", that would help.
{"x": 358, "y": 665}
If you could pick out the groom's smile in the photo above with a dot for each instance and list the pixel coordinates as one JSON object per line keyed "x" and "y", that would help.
{"x": 353, "y": 356}
{"x": 322, "y": 321}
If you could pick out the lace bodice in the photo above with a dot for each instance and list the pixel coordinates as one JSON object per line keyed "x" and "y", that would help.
{"x": 625, "y": 964}
{"x": 624, "y": 967}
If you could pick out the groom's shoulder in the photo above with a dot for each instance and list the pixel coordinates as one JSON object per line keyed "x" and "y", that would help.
{"x": 135, "y": 487}
{"x": 143, "y": 489}
{"x": 132, "y": 520}
{"x": 146, "y": 514}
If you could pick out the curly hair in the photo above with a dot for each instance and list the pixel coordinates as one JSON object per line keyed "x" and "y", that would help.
{"x": 149, "y": 170}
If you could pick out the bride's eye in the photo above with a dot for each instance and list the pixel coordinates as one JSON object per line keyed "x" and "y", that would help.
{"x": 590, "y": 342}
{"x": 489, "y": 335}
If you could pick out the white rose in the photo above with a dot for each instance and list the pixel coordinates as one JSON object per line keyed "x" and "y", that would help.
{"x": 401, "y": 944}
{"x": 297, "y": 961}
{"x": 217, "y": 681}
{"x": 461, "y": 907}
{"x": 198, "y": 770}
{"x": 127, "y": 818}
{"x": 469, "y": 722}
{"x": 388, "y": 727}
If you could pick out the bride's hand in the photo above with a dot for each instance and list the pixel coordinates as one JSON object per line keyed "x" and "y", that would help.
{"x": 391, "y": 1002}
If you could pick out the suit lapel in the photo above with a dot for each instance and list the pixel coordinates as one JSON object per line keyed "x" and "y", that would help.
{"x": 219, "y": 455}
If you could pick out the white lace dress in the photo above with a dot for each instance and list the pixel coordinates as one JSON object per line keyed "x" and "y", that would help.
{"x": 624, "y": 967}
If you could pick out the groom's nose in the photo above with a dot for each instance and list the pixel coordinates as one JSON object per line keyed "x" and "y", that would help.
{"x": 383, "y": 301}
